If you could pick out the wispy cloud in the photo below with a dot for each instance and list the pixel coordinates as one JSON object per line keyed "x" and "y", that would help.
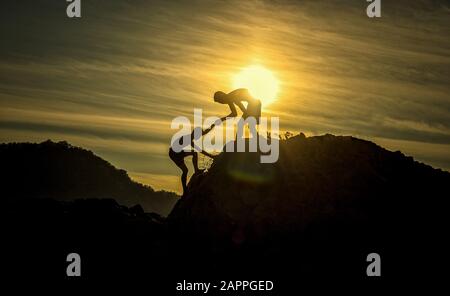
{"x": 113, "y": 80}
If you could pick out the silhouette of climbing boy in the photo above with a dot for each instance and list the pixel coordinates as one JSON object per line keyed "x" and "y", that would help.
{"x": 236, "y": 97}
{"x": 187, "y": 141}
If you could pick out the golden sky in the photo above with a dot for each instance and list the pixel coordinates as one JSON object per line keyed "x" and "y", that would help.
{"x": 113, "y": 80}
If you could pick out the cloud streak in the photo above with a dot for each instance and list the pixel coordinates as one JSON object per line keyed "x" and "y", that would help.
{"x": 127, "y": 68}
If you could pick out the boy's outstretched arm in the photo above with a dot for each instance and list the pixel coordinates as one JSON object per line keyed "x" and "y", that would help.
{"x": 238, "y": 95}
{"x": 217, "y": 122}
{"x": 201, "y": 150}
{"x": 204, "y": 132}
{"x": 241, "y": 106}
{"x": 233, "y": 110}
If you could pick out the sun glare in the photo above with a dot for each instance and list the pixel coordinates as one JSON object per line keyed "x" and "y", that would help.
{"x": 260, "y": 82}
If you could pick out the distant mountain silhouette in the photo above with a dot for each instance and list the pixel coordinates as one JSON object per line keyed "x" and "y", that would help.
{"x": 64, "y": 172}
{"x": 318, "y": 212}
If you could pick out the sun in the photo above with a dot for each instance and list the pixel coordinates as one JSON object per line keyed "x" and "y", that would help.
{"x": 261, "y": 83}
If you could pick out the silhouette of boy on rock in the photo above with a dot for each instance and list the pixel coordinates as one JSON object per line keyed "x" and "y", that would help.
{"x": 236, "y": 97}
{"x": 188, "y": 147}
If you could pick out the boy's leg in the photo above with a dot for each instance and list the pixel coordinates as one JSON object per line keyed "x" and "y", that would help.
{"x": 240, "y": 129}
{"x": 184, "y": 168}
{"x": 178, "y": 159}
{"x": 195, "y": 161}
{"x": 254, "y": 132}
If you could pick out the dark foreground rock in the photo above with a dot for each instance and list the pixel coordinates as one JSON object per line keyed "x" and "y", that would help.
{"x": 316, "y": 213}
{"x": 323, "y": 207}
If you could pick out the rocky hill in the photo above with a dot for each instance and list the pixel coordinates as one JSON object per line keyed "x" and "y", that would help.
{"x": 328, "y": 202}
{"x": 318, "y": 212}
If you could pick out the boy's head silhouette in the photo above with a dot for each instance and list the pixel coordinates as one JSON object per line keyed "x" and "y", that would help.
{"x": 220, "y": 97}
